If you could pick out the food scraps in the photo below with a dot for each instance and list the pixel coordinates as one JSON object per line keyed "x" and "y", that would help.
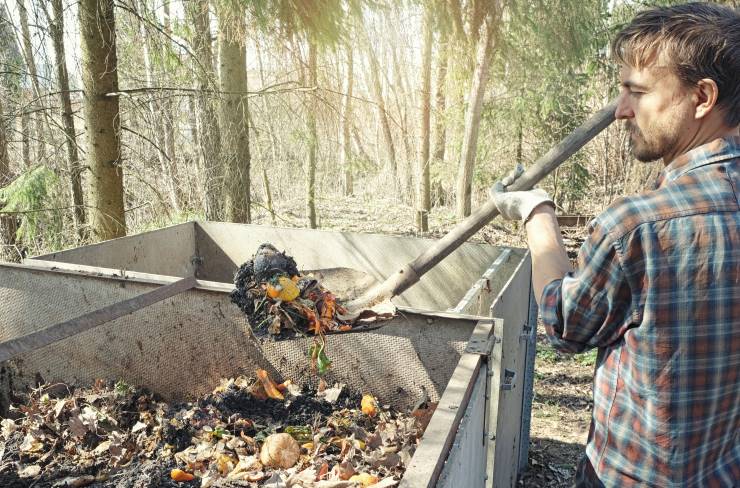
{"x": 242, "y": 434}
{"x": 280, "y": 302}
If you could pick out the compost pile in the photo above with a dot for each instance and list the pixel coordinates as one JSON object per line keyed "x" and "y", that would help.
{"x": 248, "y": 432}
{"x": 281, "y": 303}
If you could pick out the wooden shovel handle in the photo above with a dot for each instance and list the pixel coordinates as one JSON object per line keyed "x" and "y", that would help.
{"x": 412, "y": 272}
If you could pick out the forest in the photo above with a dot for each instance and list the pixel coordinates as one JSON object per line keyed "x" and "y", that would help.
{"x": 120, "y": 116}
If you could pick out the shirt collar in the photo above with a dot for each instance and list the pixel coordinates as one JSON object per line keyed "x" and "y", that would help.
{"x": 712, "y": 152}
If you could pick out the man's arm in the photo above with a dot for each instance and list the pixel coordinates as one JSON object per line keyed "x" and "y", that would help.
{"x": 590, "y": 307}
{"x": 549, "y": 259}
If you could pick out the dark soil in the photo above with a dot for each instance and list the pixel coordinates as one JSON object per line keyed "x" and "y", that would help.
{"x": 303, "y": 410}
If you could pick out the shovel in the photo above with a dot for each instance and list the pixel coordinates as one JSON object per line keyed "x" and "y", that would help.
{"x": 407, "y": 276}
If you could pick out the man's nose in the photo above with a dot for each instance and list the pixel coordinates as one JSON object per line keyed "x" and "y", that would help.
{"x": 623, "y": 111}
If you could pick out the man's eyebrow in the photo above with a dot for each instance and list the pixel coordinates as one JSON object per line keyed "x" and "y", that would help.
{"x": 632, "y": 85}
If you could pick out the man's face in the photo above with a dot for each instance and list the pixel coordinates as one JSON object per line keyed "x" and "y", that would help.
{"x": 657, "y": 111}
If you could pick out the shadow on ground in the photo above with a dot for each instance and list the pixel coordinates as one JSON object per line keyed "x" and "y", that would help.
{"x": 552, "y": 463}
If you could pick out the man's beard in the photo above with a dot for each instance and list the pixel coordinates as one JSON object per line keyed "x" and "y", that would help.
{"x": 651, "y": 147}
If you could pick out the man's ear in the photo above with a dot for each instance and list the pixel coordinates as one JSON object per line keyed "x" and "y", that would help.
{"x": 707, "y": 93}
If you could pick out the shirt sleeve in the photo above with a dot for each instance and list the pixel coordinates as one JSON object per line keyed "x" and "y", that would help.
{"x": 592, "y": 306}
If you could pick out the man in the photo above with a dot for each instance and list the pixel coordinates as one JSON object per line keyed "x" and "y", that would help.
{"x": 657, "y": 287}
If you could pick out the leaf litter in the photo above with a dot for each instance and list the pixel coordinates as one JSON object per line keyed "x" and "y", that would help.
{"x": 239, "y": 435}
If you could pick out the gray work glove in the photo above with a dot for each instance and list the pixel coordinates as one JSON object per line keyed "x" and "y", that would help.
{"x": 517, "y": 205}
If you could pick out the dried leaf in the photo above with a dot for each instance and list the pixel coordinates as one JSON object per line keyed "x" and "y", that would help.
{"x": 385, "y": 483}
{"x": 270, "y": 387}
{"x": 331, "y": 395}
{"x": 30, "y": 471}
{"x": 102, "y": 448}
{"x": 8, "y": 427}
{"x": 31, "y": 444}
{"x": 59, "y": 407}
{"x": 77, "y": 481}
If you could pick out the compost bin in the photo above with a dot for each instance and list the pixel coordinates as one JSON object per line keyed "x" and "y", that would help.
{"x": 464, "y": 335}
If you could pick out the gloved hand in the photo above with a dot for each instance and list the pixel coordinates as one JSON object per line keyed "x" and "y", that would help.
{"x": 517, "y": 205}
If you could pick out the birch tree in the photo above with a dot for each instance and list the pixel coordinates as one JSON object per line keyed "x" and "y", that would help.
{"x": 312, "y": 136}
{"x": 345, "y": 123}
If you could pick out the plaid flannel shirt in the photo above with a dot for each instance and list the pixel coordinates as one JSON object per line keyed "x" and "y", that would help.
{"x": 657, "y": 290}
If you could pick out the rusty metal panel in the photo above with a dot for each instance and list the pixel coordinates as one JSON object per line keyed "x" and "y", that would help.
{"x": 167, "y": 251}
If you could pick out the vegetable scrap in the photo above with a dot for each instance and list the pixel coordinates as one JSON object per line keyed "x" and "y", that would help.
{"x": 247, "y": 432}
{"x": 281, "y": 303}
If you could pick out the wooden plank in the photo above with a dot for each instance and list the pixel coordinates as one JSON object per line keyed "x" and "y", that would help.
{"x": 574, "y": 220}
{"x": 429, "y": 459}
{"x": 57, "y": 332}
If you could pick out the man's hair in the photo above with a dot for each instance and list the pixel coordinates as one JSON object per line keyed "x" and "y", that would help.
{"x": 698, "y": 40}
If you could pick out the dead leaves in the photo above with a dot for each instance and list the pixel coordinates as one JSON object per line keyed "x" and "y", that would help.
{"x": 105, "y": 428}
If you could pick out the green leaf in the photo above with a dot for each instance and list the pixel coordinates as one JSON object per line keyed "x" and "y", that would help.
{"x": 301, "y": 433}
{"x": 319, "y": 359}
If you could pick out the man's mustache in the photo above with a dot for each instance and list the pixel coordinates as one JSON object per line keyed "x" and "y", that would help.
{"x": 632, "y": 128}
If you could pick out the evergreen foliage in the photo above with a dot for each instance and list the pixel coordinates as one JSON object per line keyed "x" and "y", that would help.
{"x": 32, "y": 195}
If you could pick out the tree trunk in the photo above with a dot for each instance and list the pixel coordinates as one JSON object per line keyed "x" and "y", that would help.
{"x": 56, "y": 28}
{"x": 31, "y": 64}
{"x": 102, "y": 117}
{"x": 403, "y": 98}
{"x": 473, "y": 114}
{"x": 8, "y": 223}
{"x": 155, "y": 114}
{"x": 440, "y": 125}
{"x": 234, "y": 120}
{"x": 424, "y": 200}
{"x": 440, "y": 116}
{"x": 382, "y": 114}
{"x": 209, "y": 131}
{"x": 359, "y": 148}
{"x": 312, "y": 137}
{"x": 167, "y": 115}
{"x": 345, "y": 120}
{"x": 273, "y": 140}
{"x": 25, "y": 135}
